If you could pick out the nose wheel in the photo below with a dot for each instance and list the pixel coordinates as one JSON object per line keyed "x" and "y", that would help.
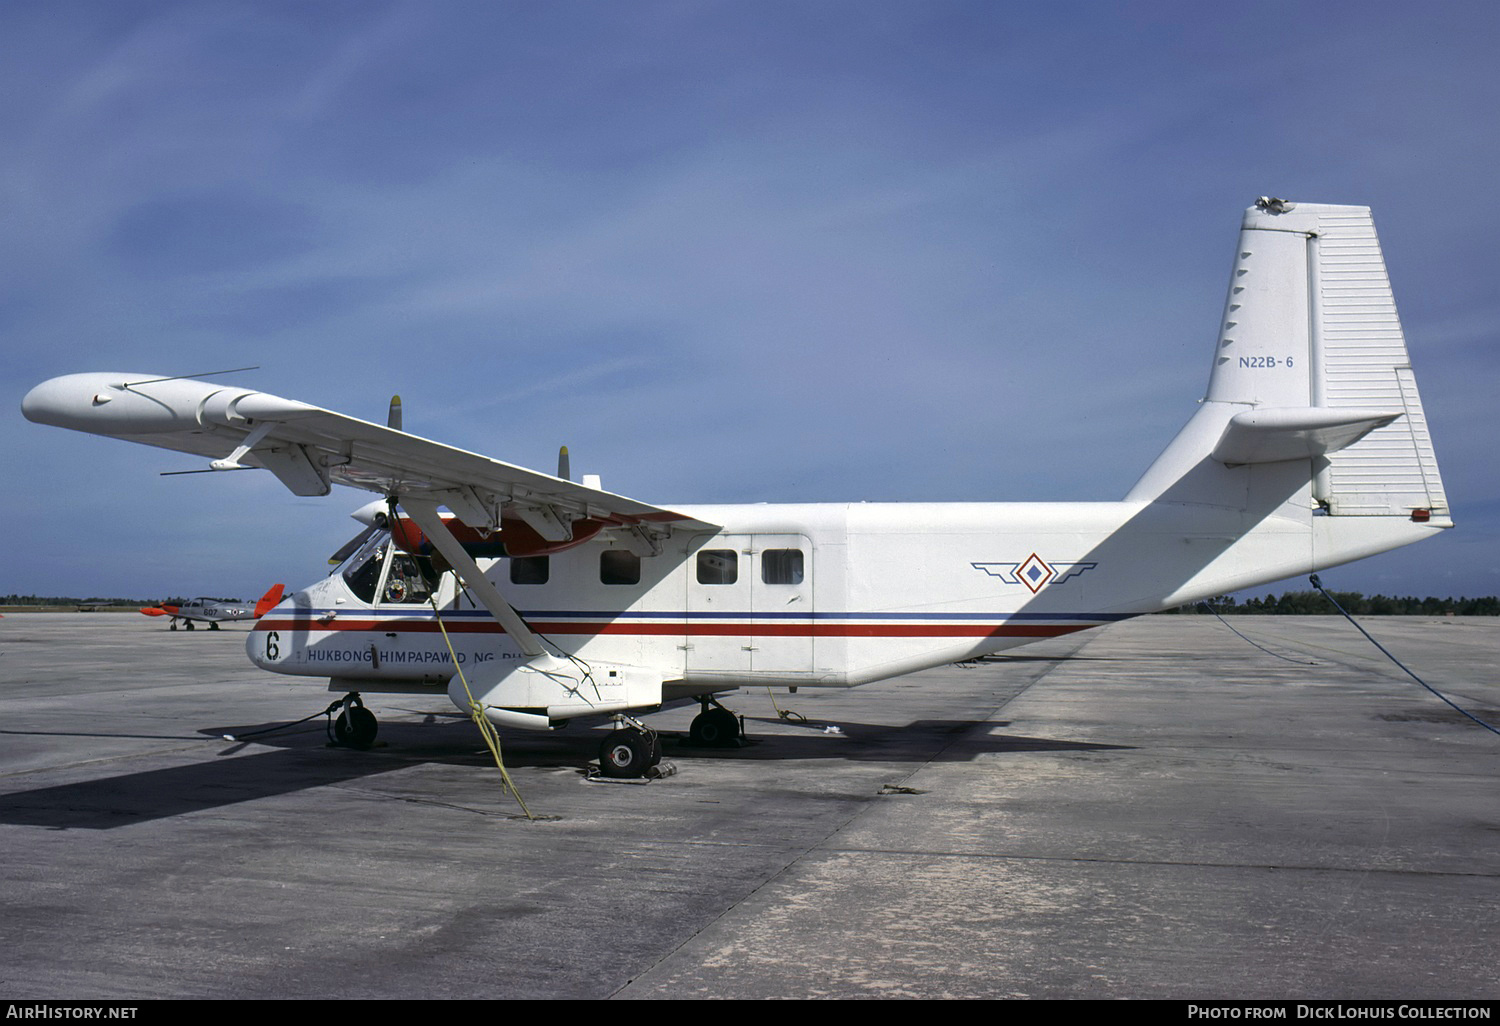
{"x": 354, "y": 726}
{"x": 629, "y": 751}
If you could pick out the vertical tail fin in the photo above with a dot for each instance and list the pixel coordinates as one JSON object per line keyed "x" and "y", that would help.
{"x": 1311, "y": 366}
{"x": 269, "y": 600}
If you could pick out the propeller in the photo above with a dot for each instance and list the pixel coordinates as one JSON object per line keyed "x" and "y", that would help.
{"x": 564, "y": 470}
{"x": 376, "y": 519}
{"x": 375, "y": 514}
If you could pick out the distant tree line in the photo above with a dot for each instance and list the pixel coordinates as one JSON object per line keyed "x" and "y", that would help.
{"x": 65, "y": 600}
{"x": 1312, "y": 603}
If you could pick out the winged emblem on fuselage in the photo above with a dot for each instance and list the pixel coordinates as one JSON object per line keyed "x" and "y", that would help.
{"x": 1035, "y": 572}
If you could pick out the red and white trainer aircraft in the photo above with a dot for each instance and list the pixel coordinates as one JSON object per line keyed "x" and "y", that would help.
{"x": 214, "y": 611}
{"x": 561, "y": 600}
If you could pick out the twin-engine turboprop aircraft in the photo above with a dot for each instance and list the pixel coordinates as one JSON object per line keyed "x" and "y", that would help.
{"x": 562, "y": 600}
{"x": 214, "y": 611}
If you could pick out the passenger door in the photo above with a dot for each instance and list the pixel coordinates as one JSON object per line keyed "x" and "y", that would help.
{"x": 750, "y": 605}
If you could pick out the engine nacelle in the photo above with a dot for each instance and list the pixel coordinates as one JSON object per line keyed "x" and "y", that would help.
{"x": 515, "y": 538}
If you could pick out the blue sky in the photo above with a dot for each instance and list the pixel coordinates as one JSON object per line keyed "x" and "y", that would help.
{"x": 757, "y": 251}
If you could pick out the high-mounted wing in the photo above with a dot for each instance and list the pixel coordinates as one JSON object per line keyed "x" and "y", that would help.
{"x": 309, "y": 449}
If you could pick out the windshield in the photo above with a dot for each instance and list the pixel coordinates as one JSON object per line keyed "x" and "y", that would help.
{"x": 362, "y": 570}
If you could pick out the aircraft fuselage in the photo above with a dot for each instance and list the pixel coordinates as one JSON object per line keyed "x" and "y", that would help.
{"x": 830, "y": 595}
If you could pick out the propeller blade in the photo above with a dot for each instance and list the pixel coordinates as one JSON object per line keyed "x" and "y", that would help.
{"x": 564, "y": 471}
{"x": 352, "y": 546}
{"x": 393, "y": 418}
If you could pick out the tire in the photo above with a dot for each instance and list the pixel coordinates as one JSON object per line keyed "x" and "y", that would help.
{"x": 355, "y": 727}
{"x": 625, "y": 753}
{"x": 715, "y": 728}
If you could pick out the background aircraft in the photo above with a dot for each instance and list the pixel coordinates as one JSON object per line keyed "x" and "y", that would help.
{"x": 215, "y": 611}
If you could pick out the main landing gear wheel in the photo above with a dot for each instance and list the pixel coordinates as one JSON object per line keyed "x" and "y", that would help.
{"x": 629, "y": 752}
{"x": 355, "y": 727}
{"x": 715, "y": 727}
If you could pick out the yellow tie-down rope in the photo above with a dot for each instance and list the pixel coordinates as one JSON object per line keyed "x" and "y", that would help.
{"x": 476, "y": 711}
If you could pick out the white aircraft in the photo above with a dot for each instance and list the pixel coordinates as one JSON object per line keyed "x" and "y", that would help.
{"x": 1310, "y": 449}
{"x": 214, "y": 611}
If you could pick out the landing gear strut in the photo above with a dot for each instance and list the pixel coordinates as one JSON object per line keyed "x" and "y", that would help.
{"x": 716, "y": 726}
{"x": 355, "y": 726}
{"x": 630, "y": 750}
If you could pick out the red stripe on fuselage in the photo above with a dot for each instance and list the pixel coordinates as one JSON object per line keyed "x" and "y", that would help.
{"x": 693, "y": 629}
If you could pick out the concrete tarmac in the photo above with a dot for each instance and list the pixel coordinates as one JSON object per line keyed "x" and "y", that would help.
{"x": 1154, "y": 809}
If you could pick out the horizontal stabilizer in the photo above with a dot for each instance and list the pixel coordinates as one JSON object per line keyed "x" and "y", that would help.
{"x": 1297, "y": 433}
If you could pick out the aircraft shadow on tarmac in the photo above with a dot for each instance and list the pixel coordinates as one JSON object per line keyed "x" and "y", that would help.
{"x": 304, "y": 759}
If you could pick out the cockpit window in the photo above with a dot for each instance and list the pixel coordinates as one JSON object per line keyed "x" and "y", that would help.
{"x": 362, "y": 570}
{"x": 405, "y": 582}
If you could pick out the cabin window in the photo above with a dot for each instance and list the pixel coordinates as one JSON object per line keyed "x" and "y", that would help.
{"x": 530, "y": 569}
{"x": 718, "y": 566}
{"x": 618, "y": 566}
{"x": 781, "y": 566}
